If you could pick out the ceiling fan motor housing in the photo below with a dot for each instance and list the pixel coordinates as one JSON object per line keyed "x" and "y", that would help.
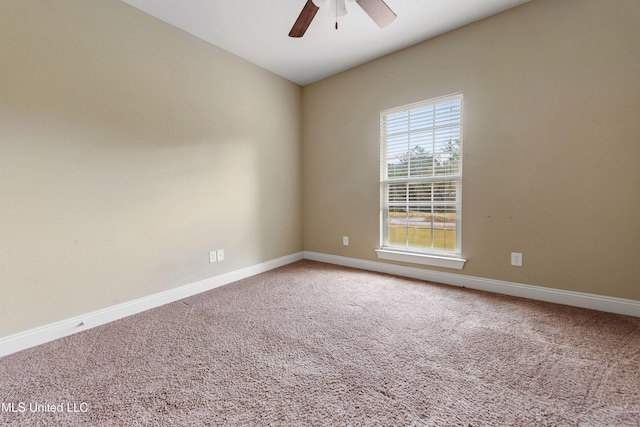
{"x": 335, "y": 7}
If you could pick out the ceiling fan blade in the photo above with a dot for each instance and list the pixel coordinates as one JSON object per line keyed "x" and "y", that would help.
{"x": 378, "y": 11}
{"x": 304, "y": 20}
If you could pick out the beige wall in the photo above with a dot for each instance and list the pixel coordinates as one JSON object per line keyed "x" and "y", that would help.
{"x": 128, "y": 151}
{"x": 551, "y": 144}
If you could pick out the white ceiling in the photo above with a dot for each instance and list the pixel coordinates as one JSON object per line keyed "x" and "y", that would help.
{"x": 257, "y": 30}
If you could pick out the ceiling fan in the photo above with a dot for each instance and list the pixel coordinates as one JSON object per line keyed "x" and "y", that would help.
{"x": 376, "y": 9}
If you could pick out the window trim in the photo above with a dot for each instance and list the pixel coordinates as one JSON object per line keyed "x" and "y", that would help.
{"x": 423, "y": 258}
{"x": 429, "y": 257}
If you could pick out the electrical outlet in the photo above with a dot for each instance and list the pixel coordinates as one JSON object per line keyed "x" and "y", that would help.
{"x": 213, "y": 256}
{"x": 220, "y": 254}
{"x": 516, "y": 259}
{"x": 345, "y": 240}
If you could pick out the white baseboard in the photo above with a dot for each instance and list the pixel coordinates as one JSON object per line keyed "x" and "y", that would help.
{"x": 44, "y": 334}
{"x": 576, "y": 299}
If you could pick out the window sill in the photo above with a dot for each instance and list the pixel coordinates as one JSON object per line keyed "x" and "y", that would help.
{"x": 424, "y": 259}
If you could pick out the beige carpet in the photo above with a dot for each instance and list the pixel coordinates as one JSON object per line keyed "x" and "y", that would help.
{"x": 312, "y": 344}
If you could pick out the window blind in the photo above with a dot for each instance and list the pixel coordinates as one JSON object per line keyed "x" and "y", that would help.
{"x": 421, "y": 176}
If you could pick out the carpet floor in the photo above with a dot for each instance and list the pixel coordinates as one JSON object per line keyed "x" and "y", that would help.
{"x": 311, "y": 344}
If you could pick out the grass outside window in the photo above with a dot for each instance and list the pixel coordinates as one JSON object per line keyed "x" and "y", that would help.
{"x": 420, "y": 231}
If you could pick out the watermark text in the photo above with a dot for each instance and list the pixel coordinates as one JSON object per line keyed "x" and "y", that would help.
{"x": 43, "y": 407}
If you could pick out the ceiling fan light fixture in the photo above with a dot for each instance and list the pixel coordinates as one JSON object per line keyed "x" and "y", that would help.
{"x": 336, "y": 8}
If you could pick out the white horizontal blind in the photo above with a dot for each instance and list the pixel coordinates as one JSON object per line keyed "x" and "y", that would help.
{"x": 421, "y": 176}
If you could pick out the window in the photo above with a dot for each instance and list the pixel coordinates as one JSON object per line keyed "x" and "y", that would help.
{"x": 421, "y": 178}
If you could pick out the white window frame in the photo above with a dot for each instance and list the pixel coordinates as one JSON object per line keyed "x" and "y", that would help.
{"x": 431, "y": 257}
